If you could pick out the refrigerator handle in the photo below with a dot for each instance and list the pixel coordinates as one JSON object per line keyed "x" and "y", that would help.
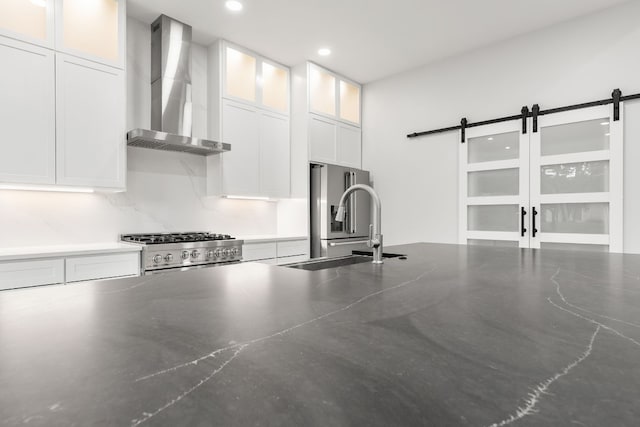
{"x": 352, "y": 203}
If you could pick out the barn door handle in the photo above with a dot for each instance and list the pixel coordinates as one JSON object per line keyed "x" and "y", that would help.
{"x": 523, "y": 229}
{"x": 533, "y": 225}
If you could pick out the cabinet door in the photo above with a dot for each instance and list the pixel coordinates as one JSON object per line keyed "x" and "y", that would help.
{"x": 241, "y": 165}
{"x": 348, "y": 146}
{"x": 93, "y": 30}
{"x": 27, "y": 113}
{"x": 275, "y": 166}
{"x": 259, "y": 251}
{"x": 90, "y": 125}
{"x": 29, "y": 21}
{"x": 322, "y": 139}
{"x": 20, "y": 274}
{"x": 102, "y": 266}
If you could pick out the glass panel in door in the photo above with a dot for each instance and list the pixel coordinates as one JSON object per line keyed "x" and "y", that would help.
{"x": 576, "y": 180}
{"x": 322, "y": 91}
{"x": 240, "y": 75}
{"x": 91, "y": 27}
{"x": 494, "y": 186}
{"x": 349, "y": 102}
{"x": 25, "y": 18}
{"x": 275, "y": 87}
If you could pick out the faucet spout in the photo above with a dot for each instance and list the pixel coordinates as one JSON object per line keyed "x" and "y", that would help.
{"x": 375, "y": 233}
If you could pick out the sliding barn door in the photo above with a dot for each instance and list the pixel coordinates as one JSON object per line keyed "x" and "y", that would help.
{"x": 576, "y": 180}
{"x": 494, "y": 186}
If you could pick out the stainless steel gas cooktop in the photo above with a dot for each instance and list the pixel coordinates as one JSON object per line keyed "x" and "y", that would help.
{"x": 171, "y": 251}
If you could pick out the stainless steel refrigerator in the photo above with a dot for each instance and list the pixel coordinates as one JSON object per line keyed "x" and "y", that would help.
{"x": 330, "y": 238}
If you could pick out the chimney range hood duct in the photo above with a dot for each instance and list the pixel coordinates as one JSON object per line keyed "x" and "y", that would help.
{"x": 171, "y": 106}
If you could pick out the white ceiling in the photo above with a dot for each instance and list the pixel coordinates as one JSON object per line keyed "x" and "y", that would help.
{"x": 370, "y": 39}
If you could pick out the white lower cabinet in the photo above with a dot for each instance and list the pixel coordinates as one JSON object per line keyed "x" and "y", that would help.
{"x": 259, "y": 251}
{"x": 276, "y": 252}
{"x": 21, "y": 274}
{"x": 287, "y": 248}
{"x": 52, "y": 271}
{"x": 102, "y": 266}
{"x": 90, "y": 127}
{"x": 27, "y": 113}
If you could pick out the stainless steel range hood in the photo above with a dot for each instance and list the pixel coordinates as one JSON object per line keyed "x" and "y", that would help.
{"x": 171, "y": 105}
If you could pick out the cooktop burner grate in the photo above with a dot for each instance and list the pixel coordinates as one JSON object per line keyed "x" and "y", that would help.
{"x": 159, "y": 238}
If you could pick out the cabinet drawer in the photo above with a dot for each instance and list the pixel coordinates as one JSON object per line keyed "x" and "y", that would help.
{"x": 102, "y": 266}
{"x": 291, "y": 248}
{"x": 20, "y": 274}
{"x": 256, "y": 251}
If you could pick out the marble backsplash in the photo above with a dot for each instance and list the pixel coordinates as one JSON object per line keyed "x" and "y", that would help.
{"x": 166, "y": 191}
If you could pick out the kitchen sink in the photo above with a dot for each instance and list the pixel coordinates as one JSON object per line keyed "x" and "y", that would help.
{"x": 323, "y": 263}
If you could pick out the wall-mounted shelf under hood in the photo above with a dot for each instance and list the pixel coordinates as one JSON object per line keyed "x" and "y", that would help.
{"x": 170, "y": 142}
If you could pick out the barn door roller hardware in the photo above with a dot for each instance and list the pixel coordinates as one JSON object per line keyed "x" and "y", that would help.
{"x": 535, "y": 112}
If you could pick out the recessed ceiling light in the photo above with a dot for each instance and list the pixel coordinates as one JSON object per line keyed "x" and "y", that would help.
{"x": 604, "y": 123}
{"x": 490, "y": 138}
{"x": 324, "y": 51}
{"x": 607, "y": 134}
{"x": 234, "y": 5}
{"x": 41, "y": 3}
{"x": 507, "y": 148}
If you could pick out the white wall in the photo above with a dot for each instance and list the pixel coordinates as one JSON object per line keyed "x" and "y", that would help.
{"x": 166, "y": 191}
{"x": 578, "y": 61}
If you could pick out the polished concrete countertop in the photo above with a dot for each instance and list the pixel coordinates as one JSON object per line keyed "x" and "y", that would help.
{"x": 453, "y": 335}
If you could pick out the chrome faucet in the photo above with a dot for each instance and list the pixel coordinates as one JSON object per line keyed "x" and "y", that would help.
{"x": 375, "y": 235}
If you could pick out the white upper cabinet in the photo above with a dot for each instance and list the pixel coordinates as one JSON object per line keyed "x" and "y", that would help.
{"x": 27, "y": 113}
{"x": 258, "y": 163}
{"x": 334, "y": 133}
{"x": 92, "y": 29}
{"x": 253, "y": 94}
{"x": 333, "y": 96}
{"x": 90, "y": 126}
{"x": 28, "y": 20}
{"x": 62, "y": 109}
{"x": 251, "y": 78}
